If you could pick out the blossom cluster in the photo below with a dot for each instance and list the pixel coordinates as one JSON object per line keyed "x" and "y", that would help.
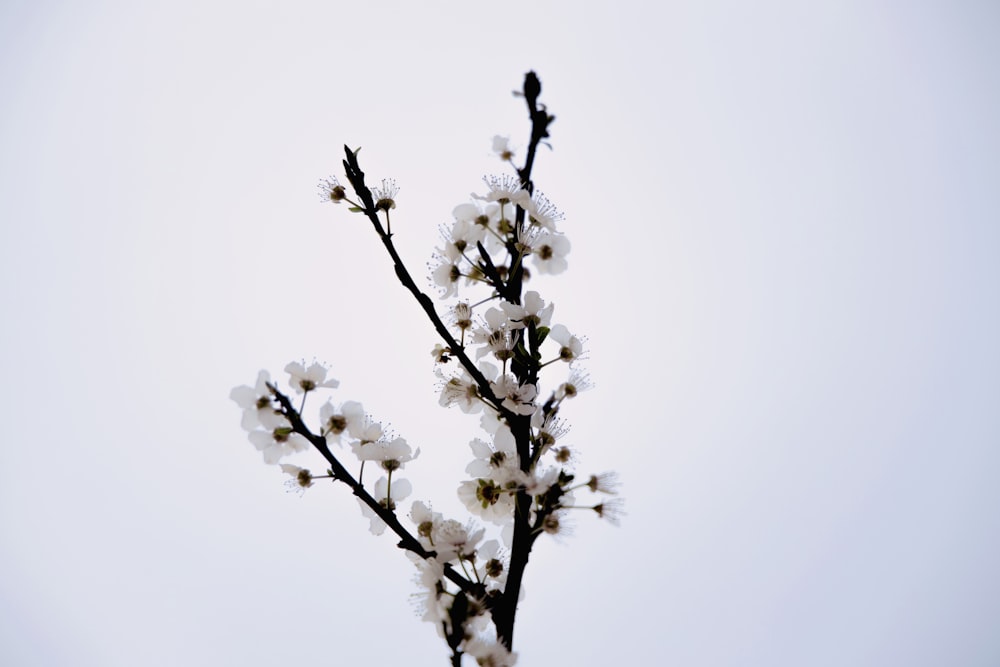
{"x": 498, "y": 343}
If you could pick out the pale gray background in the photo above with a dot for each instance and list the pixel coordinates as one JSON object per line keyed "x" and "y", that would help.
{"x": 784, "y": 219}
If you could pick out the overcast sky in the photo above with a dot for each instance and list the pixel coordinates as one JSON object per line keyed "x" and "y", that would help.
{"x": 785, "y": 220}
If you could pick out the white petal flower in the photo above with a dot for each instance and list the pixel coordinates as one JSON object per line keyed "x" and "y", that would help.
{"x": 305, "y": 379}
{"x": 504, "y": 189}
{"x": 542, "y": 212}
{"x": 276, "y": 439}
{"x": 387, "y": 497}
{"x": 518, "y": 398}
{"x": 571, "y": 346}
{"x": 331, "y": 190}
{"x": 338, "y": 420}
{"x": 491, "y": 565}
{"x": 498, "y": 461}
{"x": 549, "y": 253}
{"x": 385, "y": 194}
{"x": 425, "y": 520}
{"x": 301, "y": 480}
{"x": 502, "y": 147}
{"x": 453, "y": 540}
{"x": 489, "y": 499}
{"x": 485, "y": 217}
{"x": 533, "y": 311}
{"x": 490, "y": 653}
{"x": 430, "y": 602}
{"x": 390, "y": 454}
{"x": 253, "y": 400}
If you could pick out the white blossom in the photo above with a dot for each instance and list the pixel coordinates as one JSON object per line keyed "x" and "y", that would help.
{"x": 304, "y": 379}
{"x": 549, "y": 252}
{"x": 276, "y": 439}
{"x": 391, "y": 454}
{"x": 253, "y": 400}
{"x": 387, "y": 496}
{"x": 533, "y": 310}
{"x": 338, "y": 421}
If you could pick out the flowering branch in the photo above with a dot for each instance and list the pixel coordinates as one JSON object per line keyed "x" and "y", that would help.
{"x": 340, "y": 474}
{"x": 521, "y": 476}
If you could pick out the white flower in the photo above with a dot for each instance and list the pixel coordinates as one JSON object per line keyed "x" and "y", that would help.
{"x": 518, "y": 398}
{"x": 548, "y": 430}
{"x": 485, "y": 217}
{"x": 425, "y": 520}
{"x": 391, "y": 455}
{"x": 578, "y": 381}
{"x": 430, "y": 602}
{"x": 463, "y": 390}
{"x": 387, "y": 497}
{"x": 338, "y": 420}
{"x": 498, "y": 461}
{"x": 489, "y": 498}
{"x": 549, "y": 252}
{"x": 385, "y": 195}
{"x": 453, "y": 540}
{"x": 253, "y": 400}
{"x": 533, "y": 311}
{"x": 490, "y": 421}
{"x": 464, "y": 234}
{"x": 491, "y": 565}
{"x": 611, "y": 510}
{"x": 494, "y": 335}
{"x": 542, "y": 212}
{"x": 539, "y": 483}
{"x": 490, "y": 653}
{"x": 571, "y": 346}
{"x": 331, "y": 190}
{"x": 277, "y": 438}
{"x": 504, "y": 189}
{"x": 301, "y": 480}
{"x": 365, "y": 430}
{"x": 606, "y": 482}
{"x": 304, "y": 379}
{"x": 502, "y": 147}
{"x": 446, "y": 273}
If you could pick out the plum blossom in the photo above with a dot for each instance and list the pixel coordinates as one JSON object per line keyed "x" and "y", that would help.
{"x": 504, "y": 189}
{"x": 304, "y": 379}
{"x": 276, "y": 439}
{"x": 453, "y": 540}
{"x": 340, "y": 420}
{"x": 532, "y": 311}
{"x": 518, "y": 398}
{"x": 491, "y": 565}
{"x": 431, "y": 602}
{"x": 486, "y": 218}
{"x": 571, "y": 346}
{"x": 490, "y": 653}
{"x": 578, "y": 381}
{"x": 425, "y": 519}
{"x": 463, "y": 391}
{"x": 494, "y": 335}
{"x": 446, "y": 271}
{"x": 301, "y": 479}
{"x": 387, "y": 497}
{"x": 549, "y": 252}
{"x": 253, "y": 400}
{"x": 391, "y": 454}
{"x": 331, "y": 190}
{"x": 498, "y": 461}
{"x": 542, "y": 212}
{"x": 385, "y": 195}
{"x": 502, "y": 147}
